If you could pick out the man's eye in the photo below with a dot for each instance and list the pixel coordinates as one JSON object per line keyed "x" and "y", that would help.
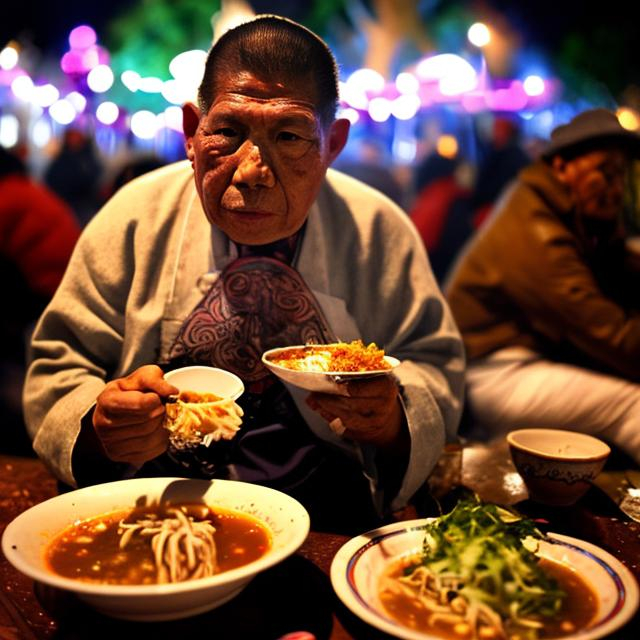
{"x": 288, "y": 136}
{"x": 226, "y": 132}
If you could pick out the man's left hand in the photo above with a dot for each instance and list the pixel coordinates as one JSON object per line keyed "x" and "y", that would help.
{"x": 371, "y": 413}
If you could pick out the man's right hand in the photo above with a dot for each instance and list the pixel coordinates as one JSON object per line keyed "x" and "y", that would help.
{"x": 128, "y": 416}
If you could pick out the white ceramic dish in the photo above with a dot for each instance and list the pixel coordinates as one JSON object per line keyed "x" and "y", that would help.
{"x": 358, "y": 565}
{"x": 206, "y": 380}
{"x": 320, "y": 381}
{"x": 26, "y": 537}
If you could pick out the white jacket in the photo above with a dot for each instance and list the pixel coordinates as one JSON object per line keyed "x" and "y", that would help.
{"x": 147, "y": 258}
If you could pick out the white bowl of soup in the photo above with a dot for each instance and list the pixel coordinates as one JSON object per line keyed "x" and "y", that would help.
{"x": 154, "y": 549}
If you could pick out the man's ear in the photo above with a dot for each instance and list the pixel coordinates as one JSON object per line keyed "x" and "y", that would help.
{"x": 190, "y": 121}
{"x": 338, "y": 135}
{"x": 559, "y": 166}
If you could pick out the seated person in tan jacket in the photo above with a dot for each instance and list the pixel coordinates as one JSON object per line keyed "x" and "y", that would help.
{"x": 545, "y": 296}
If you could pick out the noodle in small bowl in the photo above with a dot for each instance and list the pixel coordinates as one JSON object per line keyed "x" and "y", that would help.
{"x": 325, "y": 368}
{"x": 28, "y": 541}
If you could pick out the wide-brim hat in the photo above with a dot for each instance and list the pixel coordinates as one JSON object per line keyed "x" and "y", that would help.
{"x": 590, "y": 130}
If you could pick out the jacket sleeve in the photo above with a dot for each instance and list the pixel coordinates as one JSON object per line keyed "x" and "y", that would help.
{"x": 414, "y": 323}
{"x": 390, "y": 292}
{"x": 557, "y": 290}
{"x": 77, "y": 342}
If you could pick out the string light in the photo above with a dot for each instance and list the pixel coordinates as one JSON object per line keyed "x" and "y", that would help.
{"x": 365, "y": 95}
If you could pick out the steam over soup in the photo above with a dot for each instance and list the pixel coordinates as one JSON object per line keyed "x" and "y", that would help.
{"x": 157, "y": 544}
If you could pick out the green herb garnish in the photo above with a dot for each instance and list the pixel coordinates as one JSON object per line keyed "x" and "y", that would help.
{"x": 485, "y": 554}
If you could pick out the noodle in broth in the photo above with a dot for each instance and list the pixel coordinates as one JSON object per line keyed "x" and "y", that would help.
{"x": 154, "y": 545}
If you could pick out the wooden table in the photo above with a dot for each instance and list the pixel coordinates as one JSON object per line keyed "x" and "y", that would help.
{"x": 297, "y": 594}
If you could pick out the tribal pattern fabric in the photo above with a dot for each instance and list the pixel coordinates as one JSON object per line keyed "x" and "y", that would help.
{"x": 256, "y": 304}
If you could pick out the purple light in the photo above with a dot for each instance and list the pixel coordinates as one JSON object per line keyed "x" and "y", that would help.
{"x": 512, "y": 98}
{"x": 82, "y": 37}
{"x": 103, "y": 55}
{"x": 90, "y": 58}
{"x": 7, "y": 76}
{"x": 71, "y": 62}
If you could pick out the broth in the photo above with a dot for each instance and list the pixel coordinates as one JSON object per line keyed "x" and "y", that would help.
{"x": 578, "y": 608}
{"x": 90, "y": 550}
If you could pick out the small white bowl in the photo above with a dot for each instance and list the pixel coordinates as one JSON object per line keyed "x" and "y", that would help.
{"x": 26, "y": 537}
{"x": 320, "y": 381}
{"x": 557, "y": 466}
{"x": 206, "y": 380}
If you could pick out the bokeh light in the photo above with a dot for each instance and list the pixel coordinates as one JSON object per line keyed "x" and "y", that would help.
{"x": 352, "y": 115}
{"x": 77, "y": 100}
{"x": 82, "y": 37}
{"x": 45, "y": 95}
{"x": 9, "y": 57}
{"x": 188, "y": 66}
{"x": 533, "y": 85}
{"x": 447, "y": 146}
{"x": 63, "y": 112}
{"x": 629, "y": 119}
{"x": 131, "y": 80}
{"x": 405, "y": 107}
{"x": 144, "y": 124}
{"x": 151, "y": 84}
{"x": 23, "y": 88}
{"x": 173, "y": 118}
{"x": 100, "y": 78}
{"x": 41, "y": 133}
{"x": 107, "y": 112}
{"x": 9, "y": 130}
{"x": 379, "y": 109}
{"x": 479, "y": 34}
{"x": 407, "y": 83}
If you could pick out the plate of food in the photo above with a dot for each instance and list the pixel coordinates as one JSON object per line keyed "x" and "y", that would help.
{"x": 326, "y": 367}
{"x": 152, "y": 549}
{"x": 482, "y": 571}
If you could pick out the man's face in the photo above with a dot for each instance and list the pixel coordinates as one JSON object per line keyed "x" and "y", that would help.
{"x": 596, "y": 180}
{"x": 259, "y": 156}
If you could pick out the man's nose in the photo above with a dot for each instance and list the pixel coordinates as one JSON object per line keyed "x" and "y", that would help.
{"x": 252, "y": 170}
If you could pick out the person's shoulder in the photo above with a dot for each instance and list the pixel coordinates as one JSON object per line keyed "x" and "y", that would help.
{"x": 148, "y": 199}
{"x": 151, "y": 189}
{"x": 362, "y": 200}
{"x": 165, "y": 177}
{"x": 372, "y": 212}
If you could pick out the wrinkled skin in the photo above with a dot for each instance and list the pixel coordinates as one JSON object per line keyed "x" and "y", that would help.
{"x": 370, "y": 414}
{"x": 259, "y": 157}
{"x": 596, "y": 180}
{"x": 128, "y": 416}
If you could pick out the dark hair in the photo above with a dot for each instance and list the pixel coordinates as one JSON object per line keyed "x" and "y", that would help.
{"x": 271, "y": 46}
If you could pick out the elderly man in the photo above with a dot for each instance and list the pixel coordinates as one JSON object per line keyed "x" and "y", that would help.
{"x": 545, "y": 296}
{"x": 265, "y": 248}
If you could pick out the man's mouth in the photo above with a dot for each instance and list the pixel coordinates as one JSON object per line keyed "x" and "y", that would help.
{"x": 250, "y": 213}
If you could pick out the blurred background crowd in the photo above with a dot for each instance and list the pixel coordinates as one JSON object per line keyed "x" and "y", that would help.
{"x": 448, "y": 100}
